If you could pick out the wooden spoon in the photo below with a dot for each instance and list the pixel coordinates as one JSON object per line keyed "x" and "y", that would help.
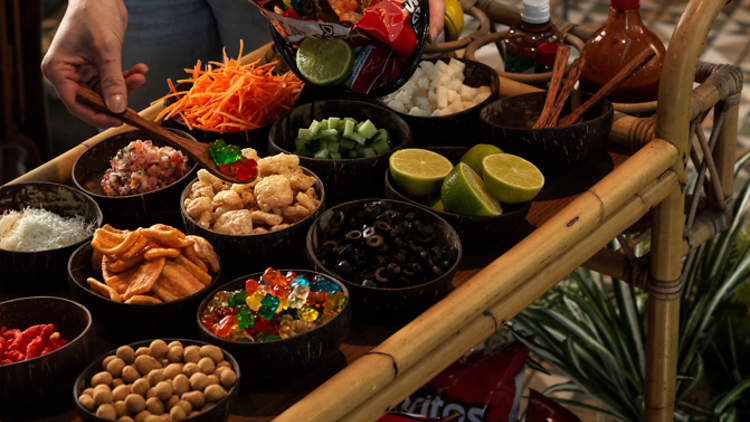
{"x": 195, "y": 150}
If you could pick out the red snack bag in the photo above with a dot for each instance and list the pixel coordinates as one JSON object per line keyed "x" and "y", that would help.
{"x": 544, "y": 409}
{"x": 483, "y": 386}
{"x": 374, "y": 66}
{"x": 392, "y": 22}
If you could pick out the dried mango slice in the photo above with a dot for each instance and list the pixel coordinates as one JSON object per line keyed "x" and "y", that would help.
{"x": 104, "y": 290}
{"x": 143, "y": 300}
{"x": 201, "y": 275}
{"x": 145, "y": 277}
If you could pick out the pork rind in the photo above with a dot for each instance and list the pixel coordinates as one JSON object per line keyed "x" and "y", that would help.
{"x": 280, "y": 196}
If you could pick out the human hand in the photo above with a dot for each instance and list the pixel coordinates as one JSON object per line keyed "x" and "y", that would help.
{"x": 437, "y": 13}
{"x": 87, "y": 50}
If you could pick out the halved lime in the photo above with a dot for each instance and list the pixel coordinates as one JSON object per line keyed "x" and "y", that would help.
{"x": 419, "y": 172}
{"x": 511, "y": 179}
{"x": 476, "y": 154}
{"x": 436, "y": 203}
{"x": 325, "y": 61}
{"x": 465, "y": 193}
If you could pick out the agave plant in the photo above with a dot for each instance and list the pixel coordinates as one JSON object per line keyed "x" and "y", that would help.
{"x": 594, "y": 332}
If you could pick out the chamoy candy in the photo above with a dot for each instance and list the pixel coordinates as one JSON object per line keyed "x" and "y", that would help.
{"x": 274, "y": 307}
{"x": 231, "y": 162}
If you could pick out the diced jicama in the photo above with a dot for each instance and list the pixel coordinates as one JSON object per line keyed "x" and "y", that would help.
{"x": 396, "y": 105}
{"x": 453, "y": 96}
{"x": 442, "y": 97}
{"x": 467, "y": 92}
{"x": 432, "y": 72}
{"x": 456, "y": 106}
{"x": 404, "y": 96}
{"x": 456, "y": 85}
{"x": 423, "y": 82}
{"x": 416, "y": 111}
{"x": 421, "y": 101}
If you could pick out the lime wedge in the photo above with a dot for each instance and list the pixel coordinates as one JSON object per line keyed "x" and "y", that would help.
{"x": 419, "y": 172}
{"x": 436, "y": 203}
{"x": 325, "y": 62}
{"x": 476, "y": 154}
{"x": 511, "y": 179}
{"x": 464, "y": 193}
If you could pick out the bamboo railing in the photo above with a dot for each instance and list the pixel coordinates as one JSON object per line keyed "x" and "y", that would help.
{"x": 653, "y": 178}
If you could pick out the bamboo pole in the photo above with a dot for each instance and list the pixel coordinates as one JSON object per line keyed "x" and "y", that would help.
{"x": 725, "y": 150}
{"x": 509, "y": 306}
{"x": 363, "y": 378}
{"x": 672, "y": 124}
{"x": 59, "y": 169}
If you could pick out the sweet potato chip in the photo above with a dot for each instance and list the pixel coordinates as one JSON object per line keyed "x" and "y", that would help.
{"x": 121, "y": 265}
{"x": 105, "y": 245}
{"x": 166, "y": 236}
{"x": 104, "y": 290}
{"x": 205, "y": 251}
{"x": 169, "y": 288}
{"x": 134, "y": 250}
{"x": 201, "y": 275}
{"x": 178, "y": 272}
{"x": 145, "y": 277}
{"x": 143, "y": 300}
{"x": 120, "y": 282}
{"x": 190, "y": 254}
{"x": 157, "y": 252}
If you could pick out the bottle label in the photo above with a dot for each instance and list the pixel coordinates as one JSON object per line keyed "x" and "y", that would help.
{"x": 518, "y": 64}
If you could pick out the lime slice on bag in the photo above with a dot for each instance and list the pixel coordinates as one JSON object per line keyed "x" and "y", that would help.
{"x": 419, "y": 172}
{"x": 476, "y": 154}
{"x": 465, "y": 193}
{"x": 511, "y": 179}
{"x": 325, "y": 62}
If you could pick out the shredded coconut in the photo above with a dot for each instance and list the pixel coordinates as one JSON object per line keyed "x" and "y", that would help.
{"x": 36, "y": 229}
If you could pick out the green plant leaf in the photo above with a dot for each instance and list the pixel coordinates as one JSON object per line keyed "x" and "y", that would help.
{"x": 731, "y": 396}
{"x": 565, "y": 387}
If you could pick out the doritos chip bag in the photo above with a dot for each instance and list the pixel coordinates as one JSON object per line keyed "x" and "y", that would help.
{"x": 363, "y": 46}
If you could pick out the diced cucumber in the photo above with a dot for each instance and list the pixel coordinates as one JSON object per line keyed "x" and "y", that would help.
{"x": 321, "y": 154}
{"x": 367, "y": 129}
{"x": 335, "y": 156}
{"x": 347, "y": 143}
{"x": 333, "y": 123}
{"x": 322, "y": 144}
{"x": 381, "y": 146}
{"x": 368, "y": 152}
{"x": 382, "y": 133}
{"x": 353, "y": 153}
{"x": 324, "y": 124}
{"x": 305, "y": 134}
{"x": 340, "y": 126}
{"x": 315, "y": 127}
{"x": 351, "y": 119}
{"x": 348, "y": 129}
{"x": 356, "y": 137}
{"x": 328, "y": 132}
{"x": 300, "y": 143}
{"x": 334, "y": 146}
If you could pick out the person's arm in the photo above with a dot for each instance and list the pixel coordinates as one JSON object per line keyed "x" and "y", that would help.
{"x": 437, "y": 13}
{"x": 87, "y": 50}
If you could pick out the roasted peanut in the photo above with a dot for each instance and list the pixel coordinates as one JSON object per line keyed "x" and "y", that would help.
{"x": 195, "y": 398}
{"x": 103, "y": 377}
{"x": 158, "y": 348}
{"x": 120, "y": 408}
{"x": 228, "y": 377}
{"x": 155, "y": 376}
{"x": 107, "y": 360}
{"x": 215, "y": 393}
{"x": 155, "y": 406}
{"x": 117, "y": 382}
{"x": 191, "y": 354}
{"x": 142, "y": 351}
{"x": 172, "y": 370}
{"x": 224, "y": 364}
{"x": 87, "y": 401}
{"x": 119, "y": 393}
{"x": 130, "y": 374}
{"x": 177, "y": 414}
{"x": 170, "y": 403}
{"x": 174, "y": 354}
{"x": 185, "y": 405}
{"x": 181, "y": 385}
{"x": 207, "y": 365}
{"x": 198, "y": 381}
{"x": 126, "y": 353}
{"x": 145, "y": 364}
{"x": 140, "y": 387}
{"x": 150, "y": 393}
{"x": 106, "y": 411}
{"x": 190, "y": 368}
{"x": 125, "y": 419}
{"x": 102, "y": 395}
{"x": 89, "y": 391}
{"x": 142, "y": 415}
{"x": 213, "y": 379}
{"x": 212, "y": 352}
{"x": 115, "y": 366}
{"x": 163, "y": 390}
{"x": 174, "y": 343}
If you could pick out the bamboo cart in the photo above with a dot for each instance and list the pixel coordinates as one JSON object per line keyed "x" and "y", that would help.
{"x": 643, "y": 169}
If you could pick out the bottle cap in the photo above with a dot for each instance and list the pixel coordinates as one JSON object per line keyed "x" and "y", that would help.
{"x": 545, "y": 53}
{"x": 624, "y": 4}
{"x": 536, "y": 11}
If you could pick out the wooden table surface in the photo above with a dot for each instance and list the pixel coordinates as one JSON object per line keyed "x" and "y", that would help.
{"x": 263, "y": 401}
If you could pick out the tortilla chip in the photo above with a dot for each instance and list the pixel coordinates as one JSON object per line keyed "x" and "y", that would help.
{"x": 104, "y": 290}
{"x": 143, "y": 300}
{"x": 201, "y": 275}
{"x": 145, "y": 277}
{"x": 120, "y": 282}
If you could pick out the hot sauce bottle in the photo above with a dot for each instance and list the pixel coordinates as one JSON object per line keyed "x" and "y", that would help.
{"x": 615, "y": 44}
{"x": 524, "y": 39}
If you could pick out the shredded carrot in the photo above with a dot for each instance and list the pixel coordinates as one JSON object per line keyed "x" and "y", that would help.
{"x": 229, "y": 97}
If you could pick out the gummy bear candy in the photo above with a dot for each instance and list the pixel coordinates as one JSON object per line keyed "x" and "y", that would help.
{"x": 301, "y": 290}
{"x": 213, "y": 306}
{"x": 247, "y": 170}
{"x": 307, "y": 313}
{"x": 286, "y": 320}
{"x": 322, "y": 283}
{"x": 221, "y": 298}
{"x": 237, "y": 298}
{"x": 264, "y": 288}
{"x": 208, "y": 321}
{"x": 226, "y": 325}
{"x": 301, "y": 279}
{"x": 269, "y": 326}
{"x": 253, "y": 301}
{"x": 244, "y": 316}
{"x": 317, "y": 299}
{"x": 334, "y": 303}
{"x": 283, "y": 304}
{"x": 295, "y": 302}
{"x": 290, "y": 276}
{"x": 301, "y": 326}
{"x": 251, "y": 285}
{"x": 274, "y": 277}
{"x": 286, "y": 331}
{"x": 221, "y": 313}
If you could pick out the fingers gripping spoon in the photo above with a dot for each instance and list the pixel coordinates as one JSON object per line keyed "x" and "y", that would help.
{"x": 195, "y": 150}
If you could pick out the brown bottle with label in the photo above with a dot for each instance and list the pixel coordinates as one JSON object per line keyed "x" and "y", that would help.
{"x": 615, "y": 44}
{"x": 524, "y": 38}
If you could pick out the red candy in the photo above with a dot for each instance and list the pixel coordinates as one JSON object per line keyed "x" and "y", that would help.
{"x": 281, "y": 290}
{"x": 36, "y": 340}
{"x": 247, "y": 170}
{"x": 208, "y": 321}
{"x": 274, "y": 278}
{"x": 226, "y": 325}
{"x": 268, "y": 327}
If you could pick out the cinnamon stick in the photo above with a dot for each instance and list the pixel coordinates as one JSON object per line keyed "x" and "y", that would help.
{"x": 558, "y": 70}
{"x": 567, "y": 89}
{"x": 607, "y": 89}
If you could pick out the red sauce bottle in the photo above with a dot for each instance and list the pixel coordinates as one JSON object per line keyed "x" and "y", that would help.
{"x": 523, "y": 39}
{"x": 615, "y": 44}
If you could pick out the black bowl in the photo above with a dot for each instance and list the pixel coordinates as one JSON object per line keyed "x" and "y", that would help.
{"x": 128, "y": 212}
{"x": 507, "y": 123}
{"x": 344, "y": 179}
{"x": 457, "y": 129}
{"x": 126, "y": 321}
{"x": 220, "y": 412}
{"x": 36, "y": 271}
{"x": 282, "y": 358}
{"x": 473, "y": 231}
{"x": 372, "y": 302}
{"x": 256, "y": 252}
{"x": 34, "y": 380}
{"x": 256, "y": 138}
{"x": 421, "y": 28}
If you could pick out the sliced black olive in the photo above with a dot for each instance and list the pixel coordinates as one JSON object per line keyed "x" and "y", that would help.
{"x": 384, "y": 249}
{"x": 415, "y": 226}
{"x": 338, "y": 219}
{"x": 327, "y": 264}
{"x": 322, "y": 251}
{"x": 345, "y": 251}
{"x": 417, "y": 269}
{"x": 416, "y": 249}
{"x": 359, "y": 261}
{"x": 369, "y": 283}
{"x": 436, "y": 271}
{"x": 397, "y": 242}
{"x": 392, "y": 271}
{"x": 379, "y": 276}
{"x": 450, "y": 252}
{"x": 426, "y": 231}
{"x": 345, "y": 269}
{"x": 425, "y": 241}
{"x": 371, "y": 213}
{"x": 399, "y": 259}
{"x": 404, "y": 226}
{"x": 445, "y": 264}
{"x": 411, "y": 215}
{"x": 386, "y": 204}
{"x": 368, "y": 232}
{"x": 336, "y": 234}
{"x": 383, "y": 228}
{"x": 393, "y": 215}
{"x": 407, "y": 272}
{"x": 353, "y": 224}
{"x": 396, "y": 231}
{"x": 406, "y": 252}
{"x": 377, "y": 261}
{"x": 354, "y": 237}
{"x": 437, "y": 253}
{"x": 374, "y": 241}
{"x": 425, "y": 258}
